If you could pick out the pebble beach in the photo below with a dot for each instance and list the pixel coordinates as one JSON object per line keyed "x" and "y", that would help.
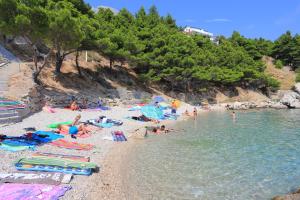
{"x": 108, "y": 155}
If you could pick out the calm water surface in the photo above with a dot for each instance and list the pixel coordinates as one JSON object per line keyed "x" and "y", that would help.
{"x": 256, "y": 157}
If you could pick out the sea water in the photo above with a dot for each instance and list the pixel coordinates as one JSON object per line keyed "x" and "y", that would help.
{"x": 256, "y": 156}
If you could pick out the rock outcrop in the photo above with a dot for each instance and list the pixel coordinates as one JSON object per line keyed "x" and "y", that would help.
{"x": 296, "y": 88}
{"x": 255, "y": 105}
{"x": 291, "y": 100}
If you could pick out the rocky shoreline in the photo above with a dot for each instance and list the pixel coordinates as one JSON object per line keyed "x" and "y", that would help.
{"x": 286, "y": 100}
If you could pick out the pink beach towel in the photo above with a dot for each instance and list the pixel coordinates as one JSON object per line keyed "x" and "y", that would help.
{"x": 71, "y": 145}
{"x": 32, "y": 191}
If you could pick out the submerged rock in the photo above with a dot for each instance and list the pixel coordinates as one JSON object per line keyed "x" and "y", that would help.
{"x": 292, "y": 196}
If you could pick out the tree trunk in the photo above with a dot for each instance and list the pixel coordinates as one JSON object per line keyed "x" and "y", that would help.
{"x": 58, "y": 62}
{"x": 77, "y": 64}
{"x": 111, "y": 62}
{"x": 39, "y": 70}
{"x": 35, "y": 57}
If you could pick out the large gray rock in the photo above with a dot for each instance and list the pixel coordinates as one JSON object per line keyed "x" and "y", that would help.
{"x": 278, "y": 105}
{"x": 291, "y": 100}
{"x": 297, "y": 88}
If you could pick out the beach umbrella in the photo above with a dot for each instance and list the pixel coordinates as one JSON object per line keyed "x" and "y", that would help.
{"x": 158, "y": 99}
{"x": 152, "y": 112}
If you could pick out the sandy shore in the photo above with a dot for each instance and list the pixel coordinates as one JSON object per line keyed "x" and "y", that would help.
{"x": 109, "y": 156}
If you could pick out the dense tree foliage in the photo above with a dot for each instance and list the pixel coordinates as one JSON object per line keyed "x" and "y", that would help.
{"x": 287, "y": 49}
{"x": 153, "y": 45}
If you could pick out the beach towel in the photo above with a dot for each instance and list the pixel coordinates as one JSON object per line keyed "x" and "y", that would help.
{"x": 115, "y": 122}
{"x": 3, "y": 108}
{"x": 71, "y": 145}
{"x": 61, "y": 162}
{"x": 102, "y": 125}
{"x": 50, "y": 135}
{"x": 52, "y": 168}
{"x": 118, "y": 136}
{"x": 70, "y": 157}
{"x": 152, "y": 112}
{"x": 16, "y": 191}
{"x": 106, "y": 125}
{"x": 135, "y": 108}
{"x": 48, "y": 178}
{"x": 104, "y": 108}
{"x": 20, "y": 142}
{"x": 15, "y": 148}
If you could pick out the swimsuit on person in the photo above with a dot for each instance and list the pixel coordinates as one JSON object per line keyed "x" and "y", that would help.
{"x": 73, "y": 130}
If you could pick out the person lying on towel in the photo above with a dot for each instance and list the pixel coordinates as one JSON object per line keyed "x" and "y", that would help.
{"x": 75, "y": 128}
{"x": 143, "y": 118}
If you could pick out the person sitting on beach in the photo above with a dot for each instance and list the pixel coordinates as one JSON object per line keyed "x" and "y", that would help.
{"x": 75, "y": 128}
{"x": 74, "y": 106}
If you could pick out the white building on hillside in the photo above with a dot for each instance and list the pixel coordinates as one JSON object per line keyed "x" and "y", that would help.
{"x": 191, "y": 30}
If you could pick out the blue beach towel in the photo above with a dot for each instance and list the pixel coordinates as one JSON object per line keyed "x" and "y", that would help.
{"x": 16, "y": 148}
{"x": 50, "y": 136}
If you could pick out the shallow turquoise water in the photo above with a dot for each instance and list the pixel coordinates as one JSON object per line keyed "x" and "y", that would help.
{"x": 256, "y": 157}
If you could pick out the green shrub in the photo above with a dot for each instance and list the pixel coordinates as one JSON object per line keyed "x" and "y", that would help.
{"x": 272, "y": 83}
{"x": 278, "y": 64}
{"x": 298, "y": 77}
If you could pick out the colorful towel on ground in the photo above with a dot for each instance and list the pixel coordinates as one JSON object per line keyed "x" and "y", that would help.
{"x": 118, "y": 136}
{"x": 15, "y": 148}
{"x": 57, "y": 162}
{"x": 13, "y": 107}
{"x": 152, "y": 112}
{"x": 50, "y": 168}
{"x": 31, "y": 191}
{"x": 109, "y": 123}
{"x": 50, "y": 135}
{"x": 70, "y": 157}
{"x": 71, "y": 145}
{"x": 49, "y": 178}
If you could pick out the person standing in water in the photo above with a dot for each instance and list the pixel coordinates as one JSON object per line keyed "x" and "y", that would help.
{"x": 233, "y": 115}
{"x": 195, "y": 113}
